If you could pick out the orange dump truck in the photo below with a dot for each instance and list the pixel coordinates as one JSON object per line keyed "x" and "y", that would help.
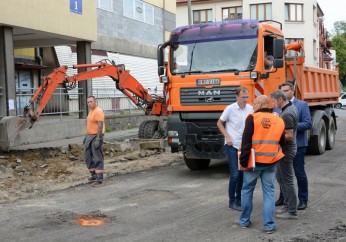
{"x": 205, "y": 65}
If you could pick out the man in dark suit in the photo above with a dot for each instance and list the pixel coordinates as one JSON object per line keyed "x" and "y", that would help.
{"x": 304, "y": 124}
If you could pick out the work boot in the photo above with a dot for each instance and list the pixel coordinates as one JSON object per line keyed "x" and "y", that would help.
{"x": 93, "y": 177}
{"x": 235, "y": 206}
{"x": 302, "y": 205}
{"x": 279, "y": 202}
{"x": 99, "y": 177}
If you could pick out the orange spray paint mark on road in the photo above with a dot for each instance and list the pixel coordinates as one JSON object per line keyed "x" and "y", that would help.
{"x": 86, "y": 221}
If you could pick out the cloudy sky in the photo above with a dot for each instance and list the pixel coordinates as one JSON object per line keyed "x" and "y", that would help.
{"x": 334, "y": 10}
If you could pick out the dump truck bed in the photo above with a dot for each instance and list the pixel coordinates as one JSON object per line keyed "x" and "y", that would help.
{"x": 316, "y": 86}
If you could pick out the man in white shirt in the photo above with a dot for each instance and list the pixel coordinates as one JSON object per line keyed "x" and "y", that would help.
{"x": 234, "y": 117}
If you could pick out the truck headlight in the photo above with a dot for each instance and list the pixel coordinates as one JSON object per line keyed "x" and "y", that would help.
{"x": 173, "y": 133}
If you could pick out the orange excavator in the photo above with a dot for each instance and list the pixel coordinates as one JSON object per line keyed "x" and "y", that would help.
{"x": 124, "y": 81}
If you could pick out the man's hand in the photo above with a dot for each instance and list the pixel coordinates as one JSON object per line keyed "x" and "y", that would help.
{"x": 289, "y": 134}
{"x": 97, "y": 143}
{"x": 243, "y": 168}
{"x": 229, "y": 141}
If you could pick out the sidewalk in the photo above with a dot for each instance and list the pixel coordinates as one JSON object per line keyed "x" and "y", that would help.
{"x": 110, "y": 137}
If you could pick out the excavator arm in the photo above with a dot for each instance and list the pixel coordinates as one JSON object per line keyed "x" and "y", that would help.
{"x": 124, "y": 82}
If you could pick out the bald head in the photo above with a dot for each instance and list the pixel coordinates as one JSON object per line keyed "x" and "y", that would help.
{"x": 261, "y": 102}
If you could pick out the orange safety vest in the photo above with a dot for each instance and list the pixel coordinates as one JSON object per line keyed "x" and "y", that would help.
{"x": 268, "y": 129}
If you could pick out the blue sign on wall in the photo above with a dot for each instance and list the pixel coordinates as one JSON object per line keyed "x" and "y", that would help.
{"x": 76, "y": 6}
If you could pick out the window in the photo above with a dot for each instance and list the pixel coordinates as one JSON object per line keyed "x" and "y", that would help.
{"x": 261, "y": 11}
{"x": 105, "y": 5}
{"x": 293, "y": 12}
{"x": 221, "y": 55}
{"x": 314, "y": 46}
{"x": 292, "y": 53}
{"x": 202, "y": 16}
{"x": 232, "y": 13}
{"x": 139, "y": 10}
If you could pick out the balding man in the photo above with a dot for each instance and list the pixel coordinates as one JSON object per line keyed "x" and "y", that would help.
{"x": 264, "y": 132}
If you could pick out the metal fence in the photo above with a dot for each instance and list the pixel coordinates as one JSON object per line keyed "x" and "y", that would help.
{"x": 66, "y": 103}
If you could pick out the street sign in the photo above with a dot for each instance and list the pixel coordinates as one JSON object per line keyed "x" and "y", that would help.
{"x": 76, "y": 6}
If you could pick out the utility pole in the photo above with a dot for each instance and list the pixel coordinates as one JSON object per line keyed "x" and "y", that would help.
{"x": 189, "y": 11}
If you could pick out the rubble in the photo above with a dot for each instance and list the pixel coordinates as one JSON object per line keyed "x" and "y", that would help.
{"x": 38, "y": 171}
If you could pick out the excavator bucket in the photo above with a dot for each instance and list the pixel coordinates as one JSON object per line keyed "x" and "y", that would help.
{"x": 10, "y": 129}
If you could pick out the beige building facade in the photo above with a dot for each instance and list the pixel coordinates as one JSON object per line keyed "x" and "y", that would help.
{"x": 28, "y": 31}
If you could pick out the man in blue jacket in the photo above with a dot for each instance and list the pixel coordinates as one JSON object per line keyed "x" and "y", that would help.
{"x": 304, "y": 124}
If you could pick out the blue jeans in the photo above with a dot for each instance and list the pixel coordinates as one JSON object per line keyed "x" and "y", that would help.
{"x": 299, "y": 171}
{"x": 236, "y": 176}
{"x": 268, "y": 187}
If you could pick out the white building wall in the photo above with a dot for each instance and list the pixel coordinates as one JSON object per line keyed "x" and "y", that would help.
{"x": 182, "y": 16}
{"x": 307, "y": 30}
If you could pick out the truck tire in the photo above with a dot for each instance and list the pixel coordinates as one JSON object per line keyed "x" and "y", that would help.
{"x": 338, "y": 105}
{"x": 151, "y": 130}
{"x": 318, "y": 142}
{"x": 331, "y": 135}
{"x": 142, "y": 128}
{"x": 197, "y": 164}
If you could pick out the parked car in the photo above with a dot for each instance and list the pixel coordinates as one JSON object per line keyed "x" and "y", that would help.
{"x": 342, "y": 100}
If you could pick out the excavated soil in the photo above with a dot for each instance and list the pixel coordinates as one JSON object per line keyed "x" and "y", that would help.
{"x": 35, "y": 172}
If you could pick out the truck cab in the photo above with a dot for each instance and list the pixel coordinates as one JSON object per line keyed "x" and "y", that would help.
{"x": 205, "y": 65}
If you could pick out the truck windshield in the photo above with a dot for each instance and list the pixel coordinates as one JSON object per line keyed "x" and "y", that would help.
{"x": 214, "y": 56}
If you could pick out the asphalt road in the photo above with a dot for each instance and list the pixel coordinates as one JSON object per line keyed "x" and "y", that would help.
{"x": 172, "y": 203}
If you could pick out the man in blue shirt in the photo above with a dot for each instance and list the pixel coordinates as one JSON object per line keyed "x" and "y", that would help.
{"x": 304, "y": 124}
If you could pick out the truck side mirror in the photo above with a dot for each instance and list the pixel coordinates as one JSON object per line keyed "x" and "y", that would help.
{"x": 160, "y": 60}
{"x": 160, "y": 70}
{"x": 278, "y": 48}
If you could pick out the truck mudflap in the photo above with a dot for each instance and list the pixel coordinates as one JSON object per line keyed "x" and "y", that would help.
{"x": 204, "y": 148}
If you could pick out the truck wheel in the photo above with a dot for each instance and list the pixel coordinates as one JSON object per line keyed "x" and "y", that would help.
{"x": 318, "y": 142}
{"x": 331, "y": 135}
{"x": 338, "y": 105}
{"x": 142, "y": 128}
{"x": 151, "y": 129}
{"x": 196, "y": 164}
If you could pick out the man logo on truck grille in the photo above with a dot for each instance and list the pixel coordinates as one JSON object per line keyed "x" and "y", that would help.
{"x": 209, "y": 99}
{"x": 209, "y": 93}
{"x": 266, "y": 123}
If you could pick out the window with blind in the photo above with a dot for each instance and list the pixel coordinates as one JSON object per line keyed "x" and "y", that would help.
{"x": 202, "y": 16}
{"x": 261, "y": 11}
{"x": 294, "y": 12}
{"x": 105, "y": 5}
{"x": 139, "y": 10}
{"x": 232, "y": 13}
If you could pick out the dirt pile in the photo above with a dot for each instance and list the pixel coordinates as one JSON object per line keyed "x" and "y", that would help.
{"x": 35, "y": 172}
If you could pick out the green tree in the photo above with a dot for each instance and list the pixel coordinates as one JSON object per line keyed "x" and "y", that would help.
{"x": 339, "y": 44}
